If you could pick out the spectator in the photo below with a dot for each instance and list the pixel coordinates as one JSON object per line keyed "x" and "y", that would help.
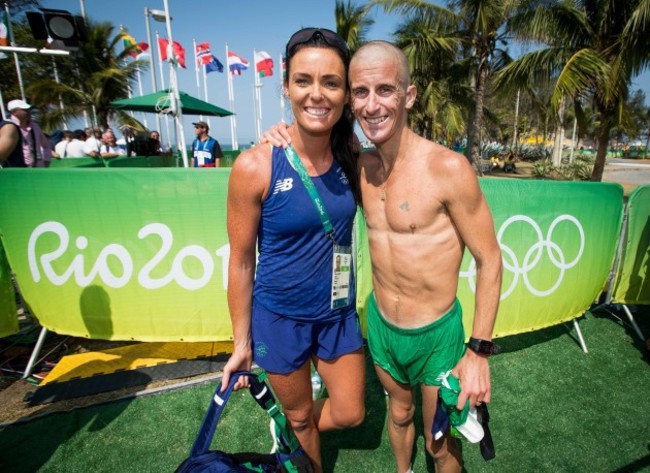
{"x": 77, "y": 145}
{"x": 36, "y": 147}
{"x": 93, "y": 142}
{"x": 206, "y": 151}
{"x": 61, "y": 148}
{"x": 11, "y": 150}
{"x": 109, "y": 147}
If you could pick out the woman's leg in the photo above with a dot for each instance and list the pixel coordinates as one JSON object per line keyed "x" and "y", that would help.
{"x": 293, "y": 391}
{"x": 345, "y": 380}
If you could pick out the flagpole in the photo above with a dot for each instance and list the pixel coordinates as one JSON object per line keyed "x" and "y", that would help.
{"x": 205, "y": 89}
{"x": 231, "y": 100}
{"x": 154, "y": 85}
{"x": 258, "y": 99}
{"x": 56, "y": 79}
{"x": 16, "y": 61}
{"x": 196, "y": 70}
{"x": 2, "y": 106}
{"x": 176, "y": 106}
{"x": 162, "y": 86}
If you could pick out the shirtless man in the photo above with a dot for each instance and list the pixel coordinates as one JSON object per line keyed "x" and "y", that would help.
{"x": 423, "y": 206}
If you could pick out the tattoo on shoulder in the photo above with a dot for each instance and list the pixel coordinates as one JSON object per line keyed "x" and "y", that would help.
{"x": 405, "y": 206}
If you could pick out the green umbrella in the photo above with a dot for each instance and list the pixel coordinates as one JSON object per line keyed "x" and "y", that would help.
{"x": 159, "y": 101}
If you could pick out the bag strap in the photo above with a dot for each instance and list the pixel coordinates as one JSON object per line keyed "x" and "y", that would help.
{"x": 262, "y": 395}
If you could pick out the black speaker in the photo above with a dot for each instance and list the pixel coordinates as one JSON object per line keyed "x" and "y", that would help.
{"x": 58, "y": 25}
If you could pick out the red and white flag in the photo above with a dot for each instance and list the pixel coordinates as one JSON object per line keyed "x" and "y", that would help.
{"x": 263, "y": 64}
{"x": 179, "y": 52}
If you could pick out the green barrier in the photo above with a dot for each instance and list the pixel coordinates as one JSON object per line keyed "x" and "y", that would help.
{"x": 632, "y": 285}
{"x": 74, "y": 162}
{"x": 141, "y": 162}
{"x": 8, "y": 315}
{"x": 127, "y": 254}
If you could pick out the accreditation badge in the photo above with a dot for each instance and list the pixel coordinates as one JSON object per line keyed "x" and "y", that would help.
{"x": 341, "y": 274}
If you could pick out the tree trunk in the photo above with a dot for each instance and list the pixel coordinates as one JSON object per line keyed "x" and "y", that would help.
{"x": 559, "y": 136}
{"x": 602, "y": 137}
{"x": 474, "y": 144}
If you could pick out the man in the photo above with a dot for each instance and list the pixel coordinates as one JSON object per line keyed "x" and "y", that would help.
{"x": 109, "y": 147}
{"x": 37, "y": 151}
{"x": 423, "y": 205}
{"x": 93, "y": 143}
{"x": 11, "y": 150}
{"x": 206, "y": 151}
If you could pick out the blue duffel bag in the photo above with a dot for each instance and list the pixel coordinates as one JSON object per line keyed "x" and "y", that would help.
{"x": 203, "y": 460}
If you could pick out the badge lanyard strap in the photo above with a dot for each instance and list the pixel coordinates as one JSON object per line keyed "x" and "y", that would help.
{"x": 299, "y": 167}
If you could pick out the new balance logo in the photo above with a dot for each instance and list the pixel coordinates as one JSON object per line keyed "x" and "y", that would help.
{"x": 283, "y": 185}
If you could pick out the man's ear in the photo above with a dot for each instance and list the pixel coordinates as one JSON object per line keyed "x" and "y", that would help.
{"x": 411, "y": 94}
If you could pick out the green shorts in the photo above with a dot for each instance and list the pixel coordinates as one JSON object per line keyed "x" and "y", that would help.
{"x": 419, "y": 355}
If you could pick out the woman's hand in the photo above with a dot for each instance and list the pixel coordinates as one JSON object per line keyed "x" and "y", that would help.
{"x": 239, "y": 360}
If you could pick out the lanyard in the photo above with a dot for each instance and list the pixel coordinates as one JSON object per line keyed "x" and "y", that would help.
{"x": 299, "y": 167}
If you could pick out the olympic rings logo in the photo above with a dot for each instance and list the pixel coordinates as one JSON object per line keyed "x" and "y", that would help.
{"x": 545, "y": 246}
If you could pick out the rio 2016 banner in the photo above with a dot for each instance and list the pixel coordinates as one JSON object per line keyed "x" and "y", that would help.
{"x": 142, "y": 254}
{"x": 558, "y": 244}
{"x": 632, "y": 281}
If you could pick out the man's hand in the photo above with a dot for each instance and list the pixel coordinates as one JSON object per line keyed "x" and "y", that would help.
{"x": 473, "y": 371}
{"x": 239, "y": 360}
{"x": 277, "y": 135}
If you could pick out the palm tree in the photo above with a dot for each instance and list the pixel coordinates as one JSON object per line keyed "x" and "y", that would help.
{"x": 439, "y": 112}
{"x": 477, "y": 26}
{"x": 352, "y": 23}
{"x": 593, "y": 49}
{"x": 95, "y": 76}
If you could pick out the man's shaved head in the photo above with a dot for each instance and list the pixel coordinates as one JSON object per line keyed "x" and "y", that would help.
{"x": 378, "y": 48}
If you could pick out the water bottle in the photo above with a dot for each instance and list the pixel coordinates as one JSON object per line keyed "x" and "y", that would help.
{"x": 316, "y": 385}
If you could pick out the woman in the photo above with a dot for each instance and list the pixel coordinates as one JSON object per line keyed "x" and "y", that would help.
{"x": 296, "y": 307}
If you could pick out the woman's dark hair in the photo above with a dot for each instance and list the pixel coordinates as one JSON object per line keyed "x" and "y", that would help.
{"x": 341, "y": 136}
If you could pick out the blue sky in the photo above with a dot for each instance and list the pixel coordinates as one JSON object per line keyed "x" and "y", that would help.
{"x": 245, "y": 25}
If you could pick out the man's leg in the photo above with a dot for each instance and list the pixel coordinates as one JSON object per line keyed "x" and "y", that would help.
{"x": 345, "y": 380}
{"x": 293, "y": 390}
{"x": 445, "y": 451}
{"x": 401, "y": 409}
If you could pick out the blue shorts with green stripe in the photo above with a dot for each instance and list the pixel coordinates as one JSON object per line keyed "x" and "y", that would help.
{"x": 419, "y": 355}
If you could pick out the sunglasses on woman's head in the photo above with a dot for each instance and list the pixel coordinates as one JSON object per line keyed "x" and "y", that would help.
{"x": 306, "y": 35}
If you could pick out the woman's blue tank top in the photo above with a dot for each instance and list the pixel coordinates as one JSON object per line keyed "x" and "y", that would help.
{"x": 294, "y": 269}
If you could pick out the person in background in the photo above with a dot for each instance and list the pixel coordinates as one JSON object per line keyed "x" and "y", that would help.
{"x": 93, "y": 142}
{"x": 109, "y": 147}
{"x": 61, "y": 148}
{"x": 206, "y": 151}
{"x": 154, "y": 143}
{"x": 290, "y": 308}
{"x": 11, "y": 150}
{"x": 77, "y": 145}
{"x": 36, "y": 147}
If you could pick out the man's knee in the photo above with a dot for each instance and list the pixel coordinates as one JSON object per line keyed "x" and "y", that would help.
{"x": 445, "y": 451}
{"x": 401, "y": 415}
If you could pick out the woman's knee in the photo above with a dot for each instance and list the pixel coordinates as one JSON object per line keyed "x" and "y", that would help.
{"x": 300, "y": 420}
{"x": 349, "y": 417}
{"x": 444, "y": 450}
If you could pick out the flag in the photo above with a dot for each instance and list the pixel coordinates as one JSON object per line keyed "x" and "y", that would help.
{"x": 179, "y": 52}
{"x": 203, "y": 55}
{"x": 4, "y": 32}
{"x": 236, "y": 63}
{"x": 129, "y": 42}
{"x": 142, "y": 50}
{"x": 284, "y": 68}
{"x": 263, "y": 64}
{"x": 213, "y": 65}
